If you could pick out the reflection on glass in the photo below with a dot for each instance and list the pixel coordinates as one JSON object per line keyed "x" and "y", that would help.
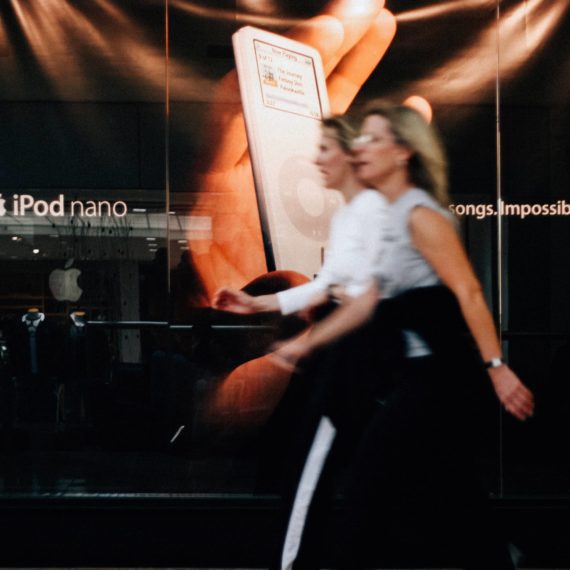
{"x": 155, "y": 382}
{"x": 83, "y": 224}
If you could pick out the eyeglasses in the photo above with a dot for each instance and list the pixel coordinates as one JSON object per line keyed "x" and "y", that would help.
{"x": 368, "y": 138}
{"x": 361, "y": 140}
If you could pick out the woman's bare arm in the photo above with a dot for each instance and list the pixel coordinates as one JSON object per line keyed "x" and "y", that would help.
{"x": 350, "y": 316}
{"x": 436, "y": 239}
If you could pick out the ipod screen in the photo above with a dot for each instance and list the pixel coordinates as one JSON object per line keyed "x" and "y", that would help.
{"x": 287, "y": 79}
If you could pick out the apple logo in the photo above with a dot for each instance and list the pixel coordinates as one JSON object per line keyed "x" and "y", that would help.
{"x": 2, "y": 206}
{"x": 63, "y": 283}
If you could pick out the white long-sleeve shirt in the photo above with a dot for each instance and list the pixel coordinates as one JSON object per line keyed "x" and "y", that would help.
{"x": 353, "y": 254}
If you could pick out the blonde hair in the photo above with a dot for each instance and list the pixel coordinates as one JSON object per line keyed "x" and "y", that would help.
{"x": 427, "y": 165}
{"x": 344, "y": 129}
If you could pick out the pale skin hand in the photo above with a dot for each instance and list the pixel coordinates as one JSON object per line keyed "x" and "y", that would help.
{"x": 351, "y": 36}
{"x": 241, "y": 303}
{"x": 516, "y": 398}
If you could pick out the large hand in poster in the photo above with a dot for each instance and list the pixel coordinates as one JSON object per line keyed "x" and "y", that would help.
{"x": 351, "y": 36}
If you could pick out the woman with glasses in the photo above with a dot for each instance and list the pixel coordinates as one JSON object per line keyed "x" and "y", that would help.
{"x": 414, "y": 482}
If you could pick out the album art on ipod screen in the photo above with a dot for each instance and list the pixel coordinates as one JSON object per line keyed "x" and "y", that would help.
{"x": 283, "y": 92}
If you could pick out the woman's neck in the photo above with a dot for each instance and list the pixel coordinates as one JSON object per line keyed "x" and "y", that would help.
{"x": 395, "y": 186}
{"x": 350, "y": 189}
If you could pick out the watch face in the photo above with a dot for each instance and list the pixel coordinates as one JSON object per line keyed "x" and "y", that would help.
{"x": 494, "y": 362}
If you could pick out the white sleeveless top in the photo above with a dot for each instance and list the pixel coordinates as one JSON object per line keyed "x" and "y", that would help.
{"x": 403, "y": 266}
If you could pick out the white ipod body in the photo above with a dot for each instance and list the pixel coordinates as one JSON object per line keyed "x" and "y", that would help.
{"x": 284, "y": 97}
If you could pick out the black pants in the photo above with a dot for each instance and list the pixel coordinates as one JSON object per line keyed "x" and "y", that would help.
{"x": 415, "y": 485}
{"x": 408, "y": 432}
{"x": 339, "y": 383}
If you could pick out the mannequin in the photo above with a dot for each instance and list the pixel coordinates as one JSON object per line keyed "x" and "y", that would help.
{"x": 32, "y": 319}
{"x": 79, "y": 319}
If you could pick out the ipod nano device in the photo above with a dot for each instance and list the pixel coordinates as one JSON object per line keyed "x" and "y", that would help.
{"x": 284, "y": 97}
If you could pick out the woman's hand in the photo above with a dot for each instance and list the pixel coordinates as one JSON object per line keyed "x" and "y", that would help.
{"x": 287, "y": 355}
{"x": 516, "y": 398}
{"x": 240, "y": 302}
{"x": 234, "y": 301}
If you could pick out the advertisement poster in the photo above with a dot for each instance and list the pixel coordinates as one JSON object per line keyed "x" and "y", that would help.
{"x": 129, "y": 197}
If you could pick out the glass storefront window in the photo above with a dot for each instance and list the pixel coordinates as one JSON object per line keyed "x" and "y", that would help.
{"x": 127, "y": 199}
{"x": 82, "y": 234}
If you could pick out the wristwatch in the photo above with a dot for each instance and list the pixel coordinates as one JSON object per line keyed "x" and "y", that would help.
{"x": 494, "y": 362}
